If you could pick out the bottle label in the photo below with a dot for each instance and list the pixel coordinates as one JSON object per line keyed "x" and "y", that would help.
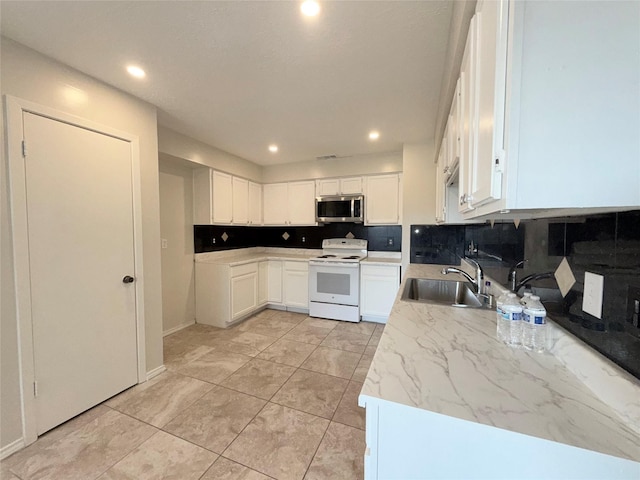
{"x": 534, "y": 319}
{"x": 511, "y": 316}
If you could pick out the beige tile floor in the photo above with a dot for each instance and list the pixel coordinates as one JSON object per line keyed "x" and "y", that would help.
{"x": 273, "y": 397}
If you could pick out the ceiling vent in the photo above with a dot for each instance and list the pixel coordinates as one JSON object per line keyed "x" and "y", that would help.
{"x": 326, "y": 157}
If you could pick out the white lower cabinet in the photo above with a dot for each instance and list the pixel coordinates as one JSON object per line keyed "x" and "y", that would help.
{"x": 225, "y": 294}
{"x": 263, "y": 283}
{"x": 295, "y": 281}
{"x": 274, "y": 282}
{"x": 244, "y": 290}
{"x": 378, "y": 289}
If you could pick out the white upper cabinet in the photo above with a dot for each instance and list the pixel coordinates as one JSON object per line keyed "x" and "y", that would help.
{"x": 549, "y": 112}
{"x": 240, "y": 201}
{"x": 453, "y": 134}
{"x": 255, "y": 203}
{"x": 212, "y": 197}
{"x": 339, "y": 186}
{"x": 328, "y": 186}
{"x": 290, "y": 203}
{"x": 275, "y": 204}
{"x": 302, "y": 203}
{"x": 441, "y": 209}
{"x": 382, "y": 199}
{"x": 222, "y": 197}
{"x": 488, "y": 102}
{"x": 202, "y": 208}
{"x": 467, "y": 72}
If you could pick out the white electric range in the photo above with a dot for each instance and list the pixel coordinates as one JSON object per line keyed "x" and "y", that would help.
{"x": 334, "y": 279}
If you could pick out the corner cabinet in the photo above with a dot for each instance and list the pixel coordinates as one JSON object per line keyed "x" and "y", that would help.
{"x": 222, "y": 199}
{"x": 383, "y": 199}
{"x": 549, "y": 112}
{"x": 378, "y": 289}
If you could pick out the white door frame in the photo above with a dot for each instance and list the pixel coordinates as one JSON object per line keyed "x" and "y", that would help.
{"x": 15, "y": 107}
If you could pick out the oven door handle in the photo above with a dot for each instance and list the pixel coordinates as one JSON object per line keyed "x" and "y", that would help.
{"x": 334, "y": 264}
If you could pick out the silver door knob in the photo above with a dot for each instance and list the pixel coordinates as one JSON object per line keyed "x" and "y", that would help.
{"x": 128, "y": 279}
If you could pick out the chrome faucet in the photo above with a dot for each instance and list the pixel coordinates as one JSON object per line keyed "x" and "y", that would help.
{"x": 513, "y": 277}
{"x": 476, "y": 283}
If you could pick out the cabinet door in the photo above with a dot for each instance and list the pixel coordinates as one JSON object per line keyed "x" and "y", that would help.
{"x": 274, "y": 281}
{"x": 244, "y": 291}
{"x": 296, "y": 284}
{"x": 263, "y": 283}
{"x": 441, "y": 187}
{"x": 351, "y": 186}
{"x": 467, "y": 97}
{"x": 328, "y": 186}
{"x": 255, "y": 203}
{"x": 453, "y": 154}
{"x": 378, "y": 289}
{"x": 202, "y": 208}
{"x": 302, "y": 197}
{"x": 486, "y": 168}
{"x": 276, "y": 203}
{"x": 222, "y": 197}
{"x": 382, "y": 200}
{"x": 240, "y": 201}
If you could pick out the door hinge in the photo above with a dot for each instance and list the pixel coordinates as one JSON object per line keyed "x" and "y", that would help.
{"x": 24, "y": 149}
{"x": 35, "y": 389}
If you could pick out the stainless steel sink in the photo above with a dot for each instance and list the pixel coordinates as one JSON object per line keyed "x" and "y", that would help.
{"x": 443, "y": 292}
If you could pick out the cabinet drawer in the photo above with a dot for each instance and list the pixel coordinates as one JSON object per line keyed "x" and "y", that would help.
{"x": 297, "y": 266}
{"x": 244, "y": 269}
{"x": 380, "y": 270}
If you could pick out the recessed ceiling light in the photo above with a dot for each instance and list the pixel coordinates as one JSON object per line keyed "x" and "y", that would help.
{"x": 310, "y": 8}
{"x": 374, "y": 135}
{"x": 135, "y": 71}
{"x": 273, "y": 148}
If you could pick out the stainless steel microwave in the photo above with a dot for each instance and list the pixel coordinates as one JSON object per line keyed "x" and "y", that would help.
{"x": 347, "y": 208}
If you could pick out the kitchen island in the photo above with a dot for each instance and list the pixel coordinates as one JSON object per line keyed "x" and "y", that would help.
{"x": 445, "y": 399}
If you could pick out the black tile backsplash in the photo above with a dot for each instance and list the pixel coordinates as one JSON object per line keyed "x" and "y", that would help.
{"x": 500, "y": 244}
{"x": 605, "y": 244}
{"x": 209, "y": 238}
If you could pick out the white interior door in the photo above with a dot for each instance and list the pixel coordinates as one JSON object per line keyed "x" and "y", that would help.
{"x": 81, "y": 246}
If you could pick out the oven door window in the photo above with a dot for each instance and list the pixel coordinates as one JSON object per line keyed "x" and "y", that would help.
{"x": 334, "y": 283}
{"x": 338, "y": 208}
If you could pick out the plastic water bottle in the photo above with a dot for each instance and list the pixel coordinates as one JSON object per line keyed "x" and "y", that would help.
{"x": 510, "y": 321}
{"x": 534, "y": 331}
{"x": 499, "y": 326}
{"x": 526, "y": 298}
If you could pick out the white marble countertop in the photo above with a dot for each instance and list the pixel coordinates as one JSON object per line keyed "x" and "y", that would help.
{"x": 242, "y": 256}
{"x": 447, "y": 360}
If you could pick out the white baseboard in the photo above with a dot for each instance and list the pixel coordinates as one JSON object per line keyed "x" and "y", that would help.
{"x": 11, "y": 448}
{"x": 155, "y": 372}
{"x": 178, "y": 328}
{"x": 374, "y": 318}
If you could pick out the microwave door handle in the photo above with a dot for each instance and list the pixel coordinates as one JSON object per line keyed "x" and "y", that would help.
{"x": 353, "y": 208}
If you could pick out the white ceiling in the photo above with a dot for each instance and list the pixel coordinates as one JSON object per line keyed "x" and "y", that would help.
{"x": 240, "y": 75}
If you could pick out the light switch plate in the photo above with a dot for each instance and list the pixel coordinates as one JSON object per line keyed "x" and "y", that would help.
{"x": 592, "y": 296}
{"x": 165, "y": 243}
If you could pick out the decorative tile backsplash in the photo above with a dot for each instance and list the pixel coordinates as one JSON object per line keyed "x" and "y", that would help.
{"x": 604, "y": 244}
{"x": 211, "y": 238}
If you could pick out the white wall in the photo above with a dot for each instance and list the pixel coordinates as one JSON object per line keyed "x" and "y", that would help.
{"x": 338, "y": 167}
{"x": 174, "y": 144}
{"x": 176, "y": 227}
{"x": 31, "y": 76}
{"x": 418, "y": 191}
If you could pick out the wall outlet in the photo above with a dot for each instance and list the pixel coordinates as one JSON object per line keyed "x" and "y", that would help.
{"x": 592, "y": 295}
{"x": 164, "y": 243}
{"x": 213, "y": 241}
{"x": 390, "y": 241}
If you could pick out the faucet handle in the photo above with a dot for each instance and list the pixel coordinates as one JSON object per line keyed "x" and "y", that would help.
{"x": 521, "y": 262}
